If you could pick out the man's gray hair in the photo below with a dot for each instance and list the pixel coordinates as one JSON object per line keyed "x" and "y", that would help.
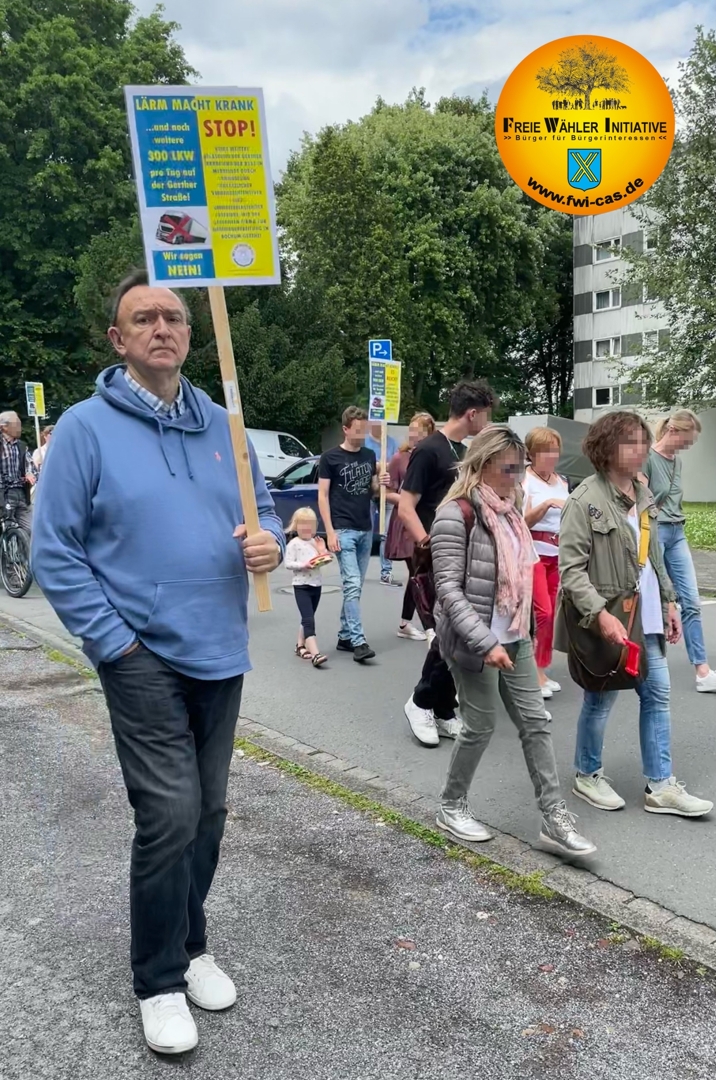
{"x": 132, "y": 280}
{"x": 7, "y": 418}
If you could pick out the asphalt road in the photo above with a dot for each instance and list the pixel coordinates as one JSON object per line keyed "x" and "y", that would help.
{"x": 359, "y": 953}
{"x": 356, "y": 712}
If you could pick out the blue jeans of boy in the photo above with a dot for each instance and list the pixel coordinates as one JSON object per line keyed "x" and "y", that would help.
{"x": 654, "y": 720}
{"x": 386, "y": 566}
{"x": 353, "y": 560}
{"x": 680, "y": 568}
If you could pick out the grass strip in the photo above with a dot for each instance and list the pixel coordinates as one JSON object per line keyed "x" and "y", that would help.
{"x": 529, "y": 884}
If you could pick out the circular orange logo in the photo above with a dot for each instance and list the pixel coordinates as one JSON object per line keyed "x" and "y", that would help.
{"x": 585, "y": 124}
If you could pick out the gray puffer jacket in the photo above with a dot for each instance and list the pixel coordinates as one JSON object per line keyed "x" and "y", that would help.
{"x": 465, "y": 600}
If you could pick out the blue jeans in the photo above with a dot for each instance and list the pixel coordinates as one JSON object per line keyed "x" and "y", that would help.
{"x": 353, "y": 560}
{"x": 654, "y": 720}
{"x": 386, "y": 566}
{"x": 680, "y": 568}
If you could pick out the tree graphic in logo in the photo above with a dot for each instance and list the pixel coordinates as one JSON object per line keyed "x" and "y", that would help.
{"x": 579, "y": 73}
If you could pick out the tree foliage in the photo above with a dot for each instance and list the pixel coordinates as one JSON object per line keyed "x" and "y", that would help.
{"x": 408, "y": 226}
{"x": 581, "y": 71}
{"x": 679, "y": 211}
{"x": 65, "y": 171}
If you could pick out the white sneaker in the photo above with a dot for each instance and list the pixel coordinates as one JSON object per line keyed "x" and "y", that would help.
{"x": 673, "y": 798}
{"x": 411, "y": 633}
{"x": 548, "y": 714}
{"x": 422, "y": 723}
{"x": 555, "y": 687}
{"x": 208, "y": 986}
{"x": 597, "y": 791}
{"x": 449, "y": 729}
{"x": 430, "y": 636}
{"x": 169, "y": 1027}
{"x": 706, "y": 684}
{"x": 545, "y": 691}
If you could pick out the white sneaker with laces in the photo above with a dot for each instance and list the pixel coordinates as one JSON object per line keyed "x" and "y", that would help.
{"x": 208, "y": 986}
{"x": 411, "y": 632}
{"x": 422, "y": 723}
{"x": 706, "y": 684}
{"x": 169, "y": 1027}
{"x": 553, "y": 686}
{"x": 597, "y": 791}
{"x": 545, "y": 691}
{"x": 449, "y": 729}
{"x": 673, "y": 798}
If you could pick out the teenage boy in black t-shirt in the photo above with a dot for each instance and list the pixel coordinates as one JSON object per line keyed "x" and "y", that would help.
{"x": 347, "y": 481}
{"x": 431, "y": 471}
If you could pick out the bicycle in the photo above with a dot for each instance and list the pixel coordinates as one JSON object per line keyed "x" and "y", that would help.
{"x": 15, "y": 572}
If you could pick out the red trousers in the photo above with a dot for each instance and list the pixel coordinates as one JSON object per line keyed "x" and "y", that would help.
{"x": 545, "y": 587}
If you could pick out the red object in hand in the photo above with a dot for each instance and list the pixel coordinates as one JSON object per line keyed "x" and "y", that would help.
{"x": 632, "y": 661}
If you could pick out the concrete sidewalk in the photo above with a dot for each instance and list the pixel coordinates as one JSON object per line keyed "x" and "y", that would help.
{"x": 360, "y": 953}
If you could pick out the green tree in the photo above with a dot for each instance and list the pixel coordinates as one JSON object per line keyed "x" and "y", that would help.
{"x": 680, "y": 213}
{"x": 543, "y": 371}
{"x": 65, "y": 172}
{"x": 581, "y": 71}
{"x": 408, "y": 227}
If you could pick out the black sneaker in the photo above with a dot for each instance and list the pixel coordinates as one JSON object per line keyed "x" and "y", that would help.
{"x": 344, "y": 645}
{"x": 363, "y": 652}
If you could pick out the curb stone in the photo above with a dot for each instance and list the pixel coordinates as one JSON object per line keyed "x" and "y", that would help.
{"x": 638, "y": 914}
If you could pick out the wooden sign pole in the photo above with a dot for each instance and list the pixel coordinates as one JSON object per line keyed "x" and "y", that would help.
{"x": 220, "y": 317}
{"x": 383, "y": 466}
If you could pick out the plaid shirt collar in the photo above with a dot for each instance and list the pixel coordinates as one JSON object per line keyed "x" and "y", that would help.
{"x": 168, "y": 412}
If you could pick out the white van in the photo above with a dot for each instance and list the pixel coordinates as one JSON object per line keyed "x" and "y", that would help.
{"x": 276, "y": 450}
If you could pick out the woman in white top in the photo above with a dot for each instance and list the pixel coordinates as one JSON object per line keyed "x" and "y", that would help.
{"x": 38, "y": 456}
{"x": 545, "y": 494}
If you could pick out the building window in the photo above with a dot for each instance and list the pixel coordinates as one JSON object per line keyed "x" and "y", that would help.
{"x": 607, "y": 347}
{"x": 606, "y": 395}
{"x": 650, "y": 241}
{"x": 608, "y": 249}
{"x": 650, "y": 340}
{"x": 610, "y": 298}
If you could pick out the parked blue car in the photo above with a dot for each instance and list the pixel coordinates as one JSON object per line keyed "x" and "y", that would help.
{"x": 298, "y": 486}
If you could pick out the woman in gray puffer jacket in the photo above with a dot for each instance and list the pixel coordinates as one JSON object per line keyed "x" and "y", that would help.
{"x": 482, "y": 557}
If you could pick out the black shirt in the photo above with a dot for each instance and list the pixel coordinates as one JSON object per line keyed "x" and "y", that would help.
{"x": 432, "y": 469}
{"x": 351, "y": 475}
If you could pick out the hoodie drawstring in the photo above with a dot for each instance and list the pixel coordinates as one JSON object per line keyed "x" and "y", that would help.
{"x": 186, "y": 455}
{"x": 164, "y": 450}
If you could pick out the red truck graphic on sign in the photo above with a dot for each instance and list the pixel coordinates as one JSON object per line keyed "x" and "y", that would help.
{"x": 180, "y": 229}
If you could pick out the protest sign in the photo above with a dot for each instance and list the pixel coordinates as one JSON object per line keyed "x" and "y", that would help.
{"x": 207, "y": 214}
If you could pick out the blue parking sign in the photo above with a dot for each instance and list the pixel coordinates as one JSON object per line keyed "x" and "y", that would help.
{"x": 380, "y": 349}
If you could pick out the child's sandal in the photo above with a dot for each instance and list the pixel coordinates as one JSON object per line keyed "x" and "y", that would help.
{"x": 318, "y": 660}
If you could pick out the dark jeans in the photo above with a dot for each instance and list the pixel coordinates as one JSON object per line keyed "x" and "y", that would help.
{"x": 174, "y": 737}
{"x": 408, "y": 598}
{"x": 22, "y": 512}
{"x": 307, "y": 598}
{"x": 436, "y": 689}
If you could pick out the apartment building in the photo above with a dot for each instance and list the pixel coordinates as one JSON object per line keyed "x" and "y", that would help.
{"x": 613, "y": 323}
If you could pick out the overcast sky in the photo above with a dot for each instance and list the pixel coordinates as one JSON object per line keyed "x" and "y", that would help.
{"x": 325, "y": 61}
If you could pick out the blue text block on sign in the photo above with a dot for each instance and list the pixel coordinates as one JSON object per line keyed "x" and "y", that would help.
{"x": 380, "y": 349}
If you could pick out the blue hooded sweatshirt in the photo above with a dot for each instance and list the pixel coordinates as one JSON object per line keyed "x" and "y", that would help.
{"x": 132, "y": 530}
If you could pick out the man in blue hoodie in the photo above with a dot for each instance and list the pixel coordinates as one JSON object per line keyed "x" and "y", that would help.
{"x": 139, "y": 547}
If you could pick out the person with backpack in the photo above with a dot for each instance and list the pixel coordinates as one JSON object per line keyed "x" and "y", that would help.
{"x": 433, "y": 465}
{"x": 663, "y": 474}
{"x": 483, "y": 557}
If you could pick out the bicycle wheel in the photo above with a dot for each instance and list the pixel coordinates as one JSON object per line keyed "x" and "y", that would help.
{"x": 15, "y": 562}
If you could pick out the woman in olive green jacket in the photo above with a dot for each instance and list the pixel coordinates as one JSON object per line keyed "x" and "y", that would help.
{"x": 598, "y": 561}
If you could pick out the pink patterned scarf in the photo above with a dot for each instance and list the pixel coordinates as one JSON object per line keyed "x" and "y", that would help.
{"x": 513, "y": 588}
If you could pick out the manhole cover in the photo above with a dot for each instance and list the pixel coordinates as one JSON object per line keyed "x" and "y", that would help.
{"x": 326, "y": 589}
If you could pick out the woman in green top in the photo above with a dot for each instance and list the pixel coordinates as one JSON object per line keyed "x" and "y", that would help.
{"x": 663, "y": 473}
